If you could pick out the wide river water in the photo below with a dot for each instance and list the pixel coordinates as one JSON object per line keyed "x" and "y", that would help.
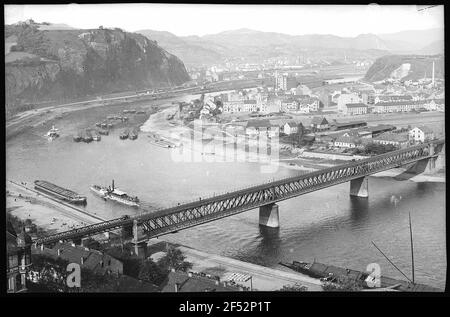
{"x": 327, "y": 225}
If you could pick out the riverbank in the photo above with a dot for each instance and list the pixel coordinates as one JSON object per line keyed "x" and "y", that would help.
{"x": 43, "y": 211}
{"x": 263, "y": 278}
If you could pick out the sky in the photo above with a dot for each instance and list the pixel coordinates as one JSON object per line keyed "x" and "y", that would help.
{"x": 195, "y": 19}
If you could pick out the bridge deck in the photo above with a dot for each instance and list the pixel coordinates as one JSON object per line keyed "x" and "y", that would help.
{"x": 194, "y": 213}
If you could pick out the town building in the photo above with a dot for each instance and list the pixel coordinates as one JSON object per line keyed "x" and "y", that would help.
{"x": 284, "y": 82}
{"x": 379, "y": 129}
{"x": 355, "y": 109}
{"x": 240, "y": 106}
{"x": 392, "y": 98}
{"x": 399, "y": 140}
{"x": 319, "y": 124}
{"x": 94, "y": 260}
{"x": 303, "y": 90}
{"x": 289, "y": 105}
{"x": 290, "y": 127}
{"x": 434, "y": 104}
{"x": 347, "y": 98}
{"x": 399, "y": 106}
{"x": 348, "y": 125}
{"x": 345, "y": 142}
{"x": 261, "y": 127}
{"x": 309, "y": 105}
{"x": 18, "y": 249}
{"x": 421, "y": 134}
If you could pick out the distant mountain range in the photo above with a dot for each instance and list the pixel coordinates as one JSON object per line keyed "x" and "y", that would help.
{"x": 253, "y": 46}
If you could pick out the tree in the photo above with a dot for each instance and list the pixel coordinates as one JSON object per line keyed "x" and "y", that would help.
{"x": 174, "y": 259}
{"x": 293, "y": 288}
{"x": 152, "y": 272}
{"x": 342, "y": 284}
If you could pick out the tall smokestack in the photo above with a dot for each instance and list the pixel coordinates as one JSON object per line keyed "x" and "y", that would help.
{"x": 432, "y": 78}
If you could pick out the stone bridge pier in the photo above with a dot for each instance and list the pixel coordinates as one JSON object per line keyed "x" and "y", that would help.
{"x": 139, "y": 240}
{"x": 268, "y": 216}
{"x": 359, "y": 187}
{"x": 430, "y": 165}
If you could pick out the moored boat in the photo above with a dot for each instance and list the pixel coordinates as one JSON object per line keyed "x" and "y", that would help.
{"x": 52, "y": 133}
{"x": 87, "y": 137}
{"x": 331, "y": 273}
{"x": 114, "y": 194}
{"x": 96, "y": 136}
{"x": 99, "y": 190}
{"x": 133, "y": 134}
{"x": 103, "y": 131}
{"x": 124, "y": 135}
{"x": 78, "y": 137}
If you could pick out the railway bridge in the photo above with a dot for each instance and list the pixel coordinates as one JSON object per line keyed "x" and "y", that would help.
{"x": 153, "y": 224}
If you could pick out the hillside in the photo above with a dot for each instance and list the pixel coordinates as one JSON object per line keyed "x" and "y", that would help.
{"x": 405, "y": 67}
{"x": 60, "y": 64}
{"x": 190, "y": 53}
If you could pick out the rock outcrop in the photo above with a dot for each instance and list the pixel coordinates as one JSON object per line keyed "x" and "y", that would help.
{"x": 44, "y": 65}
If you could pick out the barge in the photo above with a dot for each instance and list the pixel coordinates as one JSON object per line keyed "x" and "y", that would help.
{"x": 331, "y": 273}
{"x": 59, "y": 192}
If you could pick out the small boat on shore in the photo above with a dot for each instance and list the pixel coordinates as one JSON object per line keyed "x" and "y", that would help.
{"x": 133, "y": 134}
{"x": 103, "y": 131}
{"x": 52, "y": 133}
{"x": 96, "y": 136}
{"x": 124, "y": 135}
{"x": 87, "y": 137}
{"x": 78, "y": 137}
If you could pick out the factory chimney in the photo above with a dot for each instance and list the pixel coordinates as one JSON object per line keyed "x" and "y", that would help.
{"x": 432, "y": 78}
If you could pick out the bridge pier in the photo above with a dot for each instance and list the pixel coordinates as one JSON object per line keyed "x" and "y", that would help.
{"x": 359, "y": 187}
{"x": 127, "y": 232}
{"x": 424, "y": 166}
{"x": 268, "y": 216}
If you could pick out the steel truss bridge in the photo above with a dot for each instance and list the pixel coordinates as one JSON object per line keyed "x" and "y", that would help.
{"x": 184, "y": 216}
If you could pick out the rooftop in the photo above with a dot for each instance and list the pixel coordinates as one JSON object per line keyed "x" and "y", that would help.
{"x": 258, "y": 124}
{"x": 319, "y": 120}
{"x": 346, "y": 139}
{"x": 389, "y": 136}
{"x": 356, "y": 105}
{"x": 92, "y": 259}
{"x": 424, "y": 129}
{"x": 194, "y": 283}
{"x": 344, "y": 124}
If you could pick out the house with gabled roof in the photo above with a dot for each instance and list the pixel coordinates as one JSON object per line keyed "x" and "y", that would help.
{"x": 319, "y": 124}
{"x": 421, "y": 134}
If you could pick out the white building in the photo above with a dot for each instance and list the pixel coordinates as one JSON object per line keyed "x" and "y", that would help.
{"x": 345, "y": 99}
{"x": 421, "y": 134}
{"x": 290, "y": 127}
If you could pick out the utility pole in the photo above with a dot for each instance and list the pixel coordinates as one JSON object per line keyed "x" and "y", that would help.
{"x": 412, "y": 249}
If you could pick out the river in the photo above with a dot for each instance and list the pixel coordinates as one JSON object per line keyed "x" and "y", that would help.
{"x": 326, "y": 225}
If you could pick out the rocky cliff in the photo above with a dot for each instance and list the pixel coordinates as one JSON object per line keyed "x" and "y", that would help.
{"x": 406, "y": 67}
{"x": 43, "y": 64}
